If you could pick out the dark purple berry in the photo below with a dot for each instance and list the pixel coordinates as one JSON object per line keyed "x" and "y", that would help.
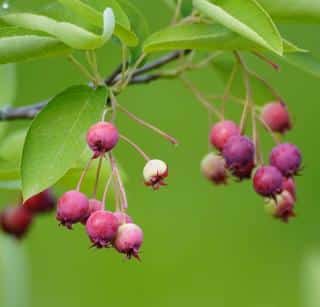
{"x": 267, "y": 181}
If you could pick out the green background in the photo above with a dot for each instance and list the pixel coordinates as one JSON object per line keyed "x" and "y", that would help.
{"x": 204, "y": 245}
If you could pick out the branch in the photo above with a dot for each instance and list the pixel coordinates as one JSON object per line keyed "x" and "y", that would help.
{"x": 139, "y": 77}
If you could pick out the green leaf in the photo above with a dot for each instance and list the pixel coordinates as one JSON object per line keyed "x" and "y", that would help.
{"x": 94, "y": 17}
{"x": 307, "y": 11}
{"x": 7, "y": 84}
{"x": 56, "y": 137}
{"x": 245, "y": 17}
{"x": 18, "y": 45}
{"x": 201, "y": 37}
{"x": 68, "y": 33}
{"x": 11, "y": 147}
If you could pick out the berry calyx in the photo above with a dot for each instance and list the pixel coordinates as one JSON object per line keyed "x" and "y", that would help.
{"x": 101, "y": 228}
{"x": 94, "y": 205}
{"x": 128, "y": 240}
{"x": 276, "y": 116}
{"x": 221, "y": 132}
{"x": 238, "y": 153}
{"x": 102, "y": 137}
{"x": 287, "y": 158}
{"x": 122, "y": 217}
{"x": 154, "y": 173}
{"x": 72, "y": 208}
{"x": 267, "y": 181}
{"x": 15, "y": 221}
{"x": 213, "y": 167}
{"x": 41, "y": 202}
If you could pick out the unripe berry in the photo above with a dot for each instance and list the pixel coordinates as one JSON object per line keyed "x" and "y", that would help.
{"x": 15, "y": 221}
{"x": 72, "y": 208}
{"x": 289, "y": 185}
{"x": 282, "y": 208}
{"x": 267, "y": 181}
{"x": 40, "y": 203}
{"x": 287, "y": 158}
{"x": 122, "y": 217}
{"x": 213, "y": 167}
{"x": 154, "y": 172}
{"x": 238, "y": 153}
{"x": 94, "y": 205}
{"x": 128, "y": 240}
{"x": 101, "y": 228}
{"x": 221, "y": 132}
{"x": 276, "y": 116}
{"x": 102, "y": 137}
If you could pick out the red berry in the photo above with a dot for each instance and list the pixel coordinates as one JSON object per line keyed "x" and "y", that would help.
{"x": 72, "y": 208}
{"x": 15, "y": 221}
{"x": 128, "y": 240}
{"x": 94, "y": 205}
{"x": 101, "y": 228}
{"x": 276, "y": 116}
{"x": 213, "y": 167}
{"x": 122, "y": 217}
{"x": 267, "y": 181}
{"x": 40, "y": 203}
{"x": 289, "y": 185}
{"x": 102, "y": 137}
{"x": 221, "y": 132}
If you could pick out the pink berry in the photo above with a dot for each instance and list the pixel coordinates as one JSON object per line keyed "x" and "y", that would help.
{"x": 267, "y": 181}
{"x": 287, "y": 158}
{"x": 276, "y": 116}
{"x": 101, "y": 228}
{"x": 238, "y": 153}
{"x": 154, "y": 173}
{"x": 94, "y": 205}
{"x": 102, "y": 137}
{"x": 41, "y": 202}
{"x": 72, "y": 208}
{"x": 289, "y": 185}
{"x": 122, "y": 217}
{"x": 128, "y": 240}
{"x": 213, "y": 167}
{"x": 15, "y": 221}
{"x": 221, "y": 132}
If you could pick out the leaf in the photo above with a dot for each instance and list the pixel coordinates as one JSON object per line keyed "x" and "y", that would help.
{"x": 245, "y": 17}
{"x": 56, "y": 137}
{"x": 17, "y": 44}
{"x": 307, "y": 11}
{"x": 94, "y": 17}
{"x": 7, "y": 84}
{"x": 70, "y": 34}
{"x": 11, "y": 147}
{"x": 201, "y": 37}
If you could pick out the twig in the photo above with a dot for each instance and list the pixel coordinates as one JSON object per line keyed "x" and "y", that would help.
{"x": 136, "y": 147}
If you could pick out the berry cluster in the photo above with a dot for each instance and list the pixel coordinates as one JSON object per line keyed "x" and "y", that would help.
{"x": 238, "y": 156}
{"x": 16, "y": 220}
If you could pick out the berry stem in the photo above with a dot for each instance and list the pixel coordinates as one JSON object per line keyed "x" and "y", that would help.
{"x": 227, "y": 90}
{"x": 113, "y": 101}
{"x": 124, "y": 61}
{"x": 262, "y": 57}
{"x": 107, "y": 187}
{"x": 82, "y": 69}
{"x": 84, "y": 172}
{"x": 115, "y": 170}
{"x": 177, "y": 13}
{"x": 273, "y": 135}
{"x": 146, "y": 124}
{"x": 136, "y": 147}
{"x": 96, "y": 183}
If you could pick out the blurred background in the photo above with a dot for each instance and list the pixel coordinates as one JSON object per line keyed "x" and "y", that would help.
{"x": 204, "y": 245}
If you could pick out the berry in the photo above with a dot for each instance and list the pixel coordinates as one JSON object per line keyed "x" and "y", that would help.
{"x": 101, "y": 228}
{"x": 287, "y": 158}
{"x": 94, "y": 205}
{"x": 276, "y": 116}
{"x": 122, "y": 217}
{"x": 289, "y": 185}
{"x": 267, "y": 181}
{"x": 213, "y": 167}
{"x": 72, "y": 208}
{"x": 154, "y": 172}
{"x": 283, "y": 207}
{"x": 128, "y": 240}
{"x": 15, "y": 221}
{"x": 102, "y": 137}
{"x": 40, "y": 203}
{"x": 238, "y": 153}
{"x": 221, "y": 132}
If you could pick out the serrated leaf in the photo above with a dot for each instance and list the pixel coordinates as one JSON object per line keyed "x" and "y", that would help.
{"x": 56, "y": 137}
{"x": 17, "y": 44}
{"x": 94, "y": 17}
{"x": 245, "y": 17}
{"x": 68, "y": 33}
